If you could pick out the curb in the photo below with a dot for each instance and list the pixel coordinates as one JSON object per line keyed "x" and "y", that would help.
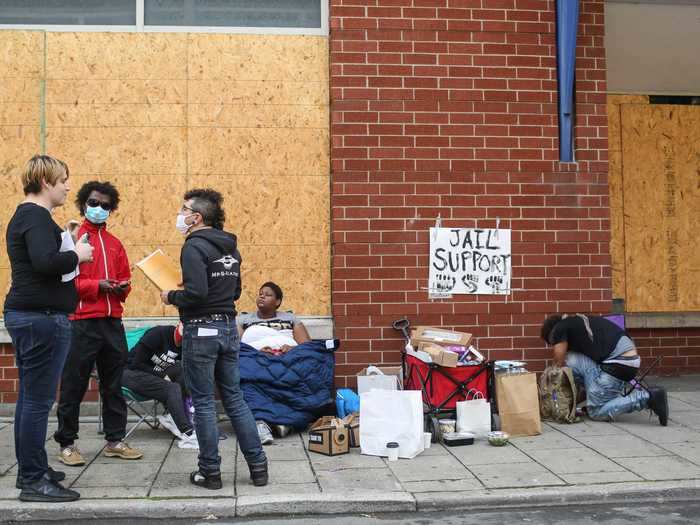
{"x": 349, "y": 503}
{"x": 267, "y": 505}
{"x": 658, "y": 491}
{"x": 327, "y": 503}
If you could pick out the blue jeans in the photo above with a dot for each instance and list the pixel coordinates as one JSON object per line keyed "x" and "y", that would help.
{"x": 603, "y": 391}
{"x": 209, "y": 358}
{"x": 41, "y": 341}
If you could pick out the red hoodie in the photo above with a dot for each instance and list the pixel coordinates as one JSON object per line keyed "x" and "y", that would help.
{"x": 109, "y": 262}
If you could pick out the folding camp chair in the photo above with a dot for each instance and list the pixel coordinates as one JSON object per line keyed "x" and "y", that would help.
{"x": 135, "y": 403}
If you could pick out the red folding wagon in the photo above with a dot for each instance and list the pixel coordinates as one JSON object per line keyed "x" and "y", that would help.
{"x": 442, "y": 387}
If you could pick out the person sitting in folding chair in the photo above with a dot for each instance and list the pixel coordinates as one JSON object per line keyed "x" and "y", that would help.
{"x": 154, "y": 371}
{"x": 604, "y": 360}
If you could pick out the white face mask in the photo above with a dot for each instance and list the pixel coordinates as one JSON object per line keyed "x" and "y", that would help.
{"x": 181, "y": 225}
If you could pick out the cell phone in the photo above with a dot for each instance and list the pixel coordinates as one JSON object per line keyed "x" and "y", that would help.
{"x": 125, "y": 284}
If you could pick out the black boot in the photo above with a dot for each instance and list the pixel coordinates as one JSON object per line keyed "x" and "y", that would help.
{"x": 207, "y": 481}
{"x": 258, "y": 473}
{"x": 658, "y": 403}
{"x": 47, "y": 491}
{"x": 54, "y": 475}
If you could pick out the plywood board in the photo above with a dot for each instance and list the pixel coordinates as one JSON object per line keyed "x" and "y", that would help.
{"x": 264, "y": 210}
{"x": 258, "y": 116}
{"x": 104, "y": 150}
{"x": 116, "y": 115}
{"x": 273, "y": 151}
{"x": 661, "y": 163}
{"x": 157, "y": 114}
{"x": 116, "y": 91}
{"x": 22, "y": 54}
{"x": 617, "y": 241}
{"x": 260, "y": 92}
{"x": 262, "y": 57}
{"x": 305, "y": 291}
{"x": 116, "y": 56}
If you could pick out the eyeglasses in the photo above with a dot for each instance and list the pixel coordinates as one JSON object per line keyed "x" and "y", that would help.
{"x": 104, "y": 205}
{"x": 187, "y": 208}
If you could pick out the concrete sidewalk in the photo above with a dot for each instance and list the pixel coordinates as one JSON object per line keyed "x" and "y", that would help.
{"x": 631, "y": 458}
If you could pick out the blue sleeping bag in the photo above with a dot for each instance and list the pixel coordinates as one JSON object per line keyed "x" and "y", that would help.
{"x": 291, "y": 388}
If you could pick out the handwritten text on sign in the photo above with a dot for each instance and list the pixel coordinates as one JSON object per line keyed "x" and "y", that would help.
{"x": 469, "y": 261}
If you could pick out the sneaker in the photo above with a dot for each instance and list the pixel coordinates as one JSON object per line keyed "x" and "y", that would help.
{"x": 47, "y": 491}
{"x": 168, "y": 423}
{"x": 207, "y": 481}
{"x": 658, "y": 403}
{"x": 71, "y": 456}
{"x": 122, "y": 450}
{"x": 258, "y": 473}
{"x": 264, "y": 432}
{"x": 282, "y": 430}
{"x": 54, "y": 475}
{"x": 188, "y": 441}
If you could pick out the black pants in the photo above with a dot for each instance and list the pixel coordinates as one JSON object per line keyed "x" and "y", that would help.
{"x": 170, "y": 393}
{"x": 94, "y": 341}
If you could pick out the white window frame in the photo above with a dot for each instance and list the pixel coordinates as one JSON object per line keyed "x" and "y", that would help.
{"x": 141, "y": 27}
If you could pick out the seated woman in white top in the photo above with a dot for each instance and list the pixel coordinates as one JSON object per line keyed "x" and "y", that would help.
{"x": 273, "y": 332}
{"x": 269, "y": 330}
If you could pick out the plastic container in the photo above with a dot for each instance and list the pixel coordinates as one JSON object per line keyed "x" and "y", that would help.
{"x": 427, "y": 439}
{"x": 457, "y": 439}
{"x": 498, "y": 438}
{"x": 447, "y": 425}
{"x": 392, "y": 451}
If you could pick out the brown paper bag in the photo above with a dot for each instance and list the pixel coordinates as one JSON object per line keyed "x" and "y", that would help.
{"x": 518, "y": 404}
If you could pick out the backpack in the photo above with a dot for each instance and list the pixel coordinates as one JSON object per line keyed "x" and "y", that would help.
{"x": 558, "y": 395}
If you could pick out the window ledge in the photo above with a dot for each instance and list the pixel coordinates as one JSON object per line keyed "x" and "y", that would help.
{"x": 662, "y": 320}
{"x": 319, "y": 327}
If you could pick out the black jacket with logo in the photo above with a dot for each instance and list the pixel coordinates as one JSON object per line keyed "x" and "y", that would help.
{"x": 211, "y": 274}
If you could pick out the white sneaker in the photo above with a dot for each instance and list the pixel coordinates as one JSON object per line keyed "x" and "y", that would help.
{"x": 188, "y": 441}
{"x": 264, "y": 432}
{"x": 168, "y": 423}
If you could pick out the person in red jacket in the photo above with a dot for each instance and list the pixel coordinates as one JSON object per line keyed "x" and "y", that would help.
{"x": 98, "y": 337}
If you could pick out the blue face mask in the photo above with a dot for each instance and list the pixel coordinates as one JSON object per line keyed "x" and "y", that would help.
{"x": 96, "y": 214}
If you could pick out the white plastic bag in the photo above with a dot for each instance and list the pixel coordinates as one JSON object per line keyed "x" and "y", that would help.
{"x": 374, "y": 378}
{"x": 474, "y": 415}
{"x": 391, "y": 415}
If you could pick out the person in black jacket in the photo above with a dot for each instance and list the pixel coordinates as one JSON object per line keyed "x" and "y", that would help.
{"x": 604, "y": 360}
{"x": 211, "y": 273}
{"x": 36, "y": 311}
{"x": 154, "y": 371}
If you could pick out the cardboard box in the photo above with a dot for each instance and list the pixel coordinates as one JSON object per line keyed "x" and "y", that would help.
{"x": 379, "y": 378}
{"x": 439, "y": 336}
{"x": 439, "y": 355}
{"x": 352, "y": 423}
{"x": 329, "y": 436}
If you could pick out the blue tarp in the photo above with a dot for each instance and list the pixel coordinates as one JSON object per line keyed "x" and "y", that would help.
{"x": 288, "y": 389}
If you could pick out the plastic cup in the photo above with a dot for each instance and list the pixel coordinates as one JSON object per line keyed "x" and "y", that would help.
{"x": 392, "y": 451}
{"x": 427, "y": 439}
{"x": 447, "y": 425}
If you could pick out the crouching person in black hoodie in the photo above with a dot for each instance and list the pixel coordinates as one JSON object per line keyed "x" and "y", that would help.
{"x": 211, "y": 272}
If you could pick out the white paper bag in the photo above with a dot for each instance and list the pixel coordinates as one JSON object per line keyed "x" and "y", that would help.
{"x": 391, "y": 415}
{"x": 375, "y": 379}
{"x": 474, "y": 416}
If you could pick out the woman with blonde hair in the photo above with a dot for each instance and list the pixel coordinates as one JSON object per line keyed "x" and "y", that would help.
{"x": 36, "y": 311}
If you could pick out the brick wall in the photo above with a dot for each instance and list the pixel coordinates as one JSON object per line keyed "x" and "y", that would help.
{"x": 679, "y": 348}
{"x": 449, "y": 107}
